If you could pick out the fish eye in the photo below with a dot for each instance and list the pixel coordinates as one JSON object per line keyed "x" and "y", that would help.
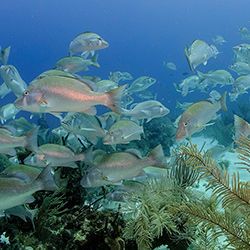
{"x": 185, "y": 124}
{"x": 26, "y": 92}
{"x": 99, "y": 39}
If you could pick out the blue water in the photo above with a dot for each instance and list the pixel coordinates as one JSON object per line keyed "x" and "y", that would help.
{"x": 141, "y": 33}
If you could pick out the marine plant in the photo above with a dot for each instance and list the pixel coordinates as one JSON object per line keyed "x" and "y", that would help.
{"x": 229, "y": 216}
{"x": 151, "y": 221}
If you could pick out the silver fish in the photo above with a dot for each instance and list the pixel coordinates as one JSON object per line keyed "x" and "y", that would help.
{"x": 111, "y": 168}
{"x": 169, "y": 65}
{"x": 146, "y": 110}
{"x": 85, "y": 125}
{"x": 76, "y": 64}
{"x": 140, "y": 84}
{"x": 241, "y": 68}
{"x": 87, "y": 42}
{"x": 7, "y": 112}
{"x": 4, "y": 55}
{"x": 55, "y": 94}
{"x": 122, "y": 132}
{"x": 244, "y": 33}
{"x": 13, "y": 80}
{"x": 219, "y": 40}
{"x": 199, "y": 52}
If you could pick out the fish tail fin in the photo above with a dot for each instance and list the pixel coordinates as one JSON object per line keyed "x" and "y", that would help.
{"x": 114, "y": 99}
{"x": 87, "y": 155}
{"x": 4, "y": 55}
{"x": 157, "y": 157}
{"x": 94, "y": 61}
{"x": 46, "y": 179}
{"x": 189, "y": 62}
{"x": 222, "y": 101}
{"x": 31, "y": 139}
{"x": 201, "y": 76}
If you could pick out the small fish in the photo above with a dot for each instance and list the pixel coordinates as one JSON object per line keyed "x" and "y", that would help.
{"x": 197, "y": 116}
{"x": 56, "y": 156}
{"x": 241, "y": 68}
{"x": 146, "y": 95}
{"x": 244, "y": 33}
{"x": 4, "y": 55}
{"x": 87, "y": 42}
{"x": 170, "y": 65}
{"x": 120, "y": 76}
{"x": 189, "y": 82}
{"x": 126, "y": 100}
{"x": 241, "y": 127}
{"x": 13, "y": 80}
{"x": 7, "y": 112}
{"x": 221, "y": 76}
{"x": 55, "y": 94}
{"x": 219, "y": 40}
{"x": 104, "y": 86}
{"x": 146, "y": 110}
{"x": 140, "y": 84}
{"x": 75, "y": 64}
{"x": 15, "y": 192}
{"x": 114, "y": 167}
{"x": 199, "y": 52}
{"x": 241, "y": 84}
{"x": 215, "y": 95}
{"x": 242, "y": 53}
{"x": 8, "y": 142}
{"x": 183, "y": 106}
{"x": 82, "y": 124}
{"x": 218, "y": 151}
{"x": 122, "y": 132}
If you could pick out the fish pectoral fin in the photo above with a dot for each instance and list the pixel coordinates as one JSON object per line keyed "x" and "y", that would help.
{"x": 90, "y": 111}
{"x": 205, "y": 125}
{"x": 205, "y": 63}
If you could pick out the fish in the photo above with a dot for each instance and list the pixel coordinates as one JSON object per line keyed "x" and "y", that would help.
{"x": 13, "y": 80}
{"x": 106, "y": 85}
{"x": 26, "y": 173}
{"x": 189, "y": 82}
{"x": 241, "y": 68}
{"x": 183, "y": 106}
{"x": 120, "y": 76}
{"x": 85, "y": 125}
{"x": 126, "y": 100}
{"x": 75, "y": 64}
{"x": 241, "y": 127}
{"x": 7, "y": 112}
{"x": 215, "y": 77}
{"x": 170, "y": 65}
{"x": 8, "y": 142}
{"x": 55, "y": 94}
{"x": 15, "y": 192}
{"x": 87, "y": 42}
{"x": 219, "y": 40}
{"x": 242, "y": 53}
{"x": 215, "y": 95}
{"x": 199, "y": 52}
{"x": 111, "y": 168}
{"x": 146, "y": 110}
{"x": 57, "y": 156}
{"x": 146, "y": 95}
{"x": 4, "y": 55}
{"x": 19, "y": 126}
{"x": 218, "y": 151}
{"x": 122, "y": 132}
{"x": 197, "y": 116}
{"x": 140, "y": 84}
{"x": 244, "y": 33}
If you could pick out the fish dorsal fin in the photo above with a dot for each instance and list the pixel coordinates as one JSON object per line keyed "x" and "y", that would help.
{"x": 134, "y": 151}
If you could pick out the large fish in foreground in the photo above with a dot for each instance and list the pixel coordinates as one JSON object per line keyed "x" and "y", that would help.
{"x": 197, "y": 116}
{"x": 14, "y": 191}
{"x": 55, "y": 94}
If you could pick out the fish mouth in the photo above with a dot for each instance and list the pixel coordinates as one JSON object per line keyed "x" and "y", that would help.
{"x": 18, "y": 103}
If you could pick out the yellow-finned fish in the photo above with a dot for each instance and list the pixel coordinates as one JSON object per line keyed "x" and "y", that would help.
{"x": 55, "y": 94}
{"x": 197, "y": 116}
